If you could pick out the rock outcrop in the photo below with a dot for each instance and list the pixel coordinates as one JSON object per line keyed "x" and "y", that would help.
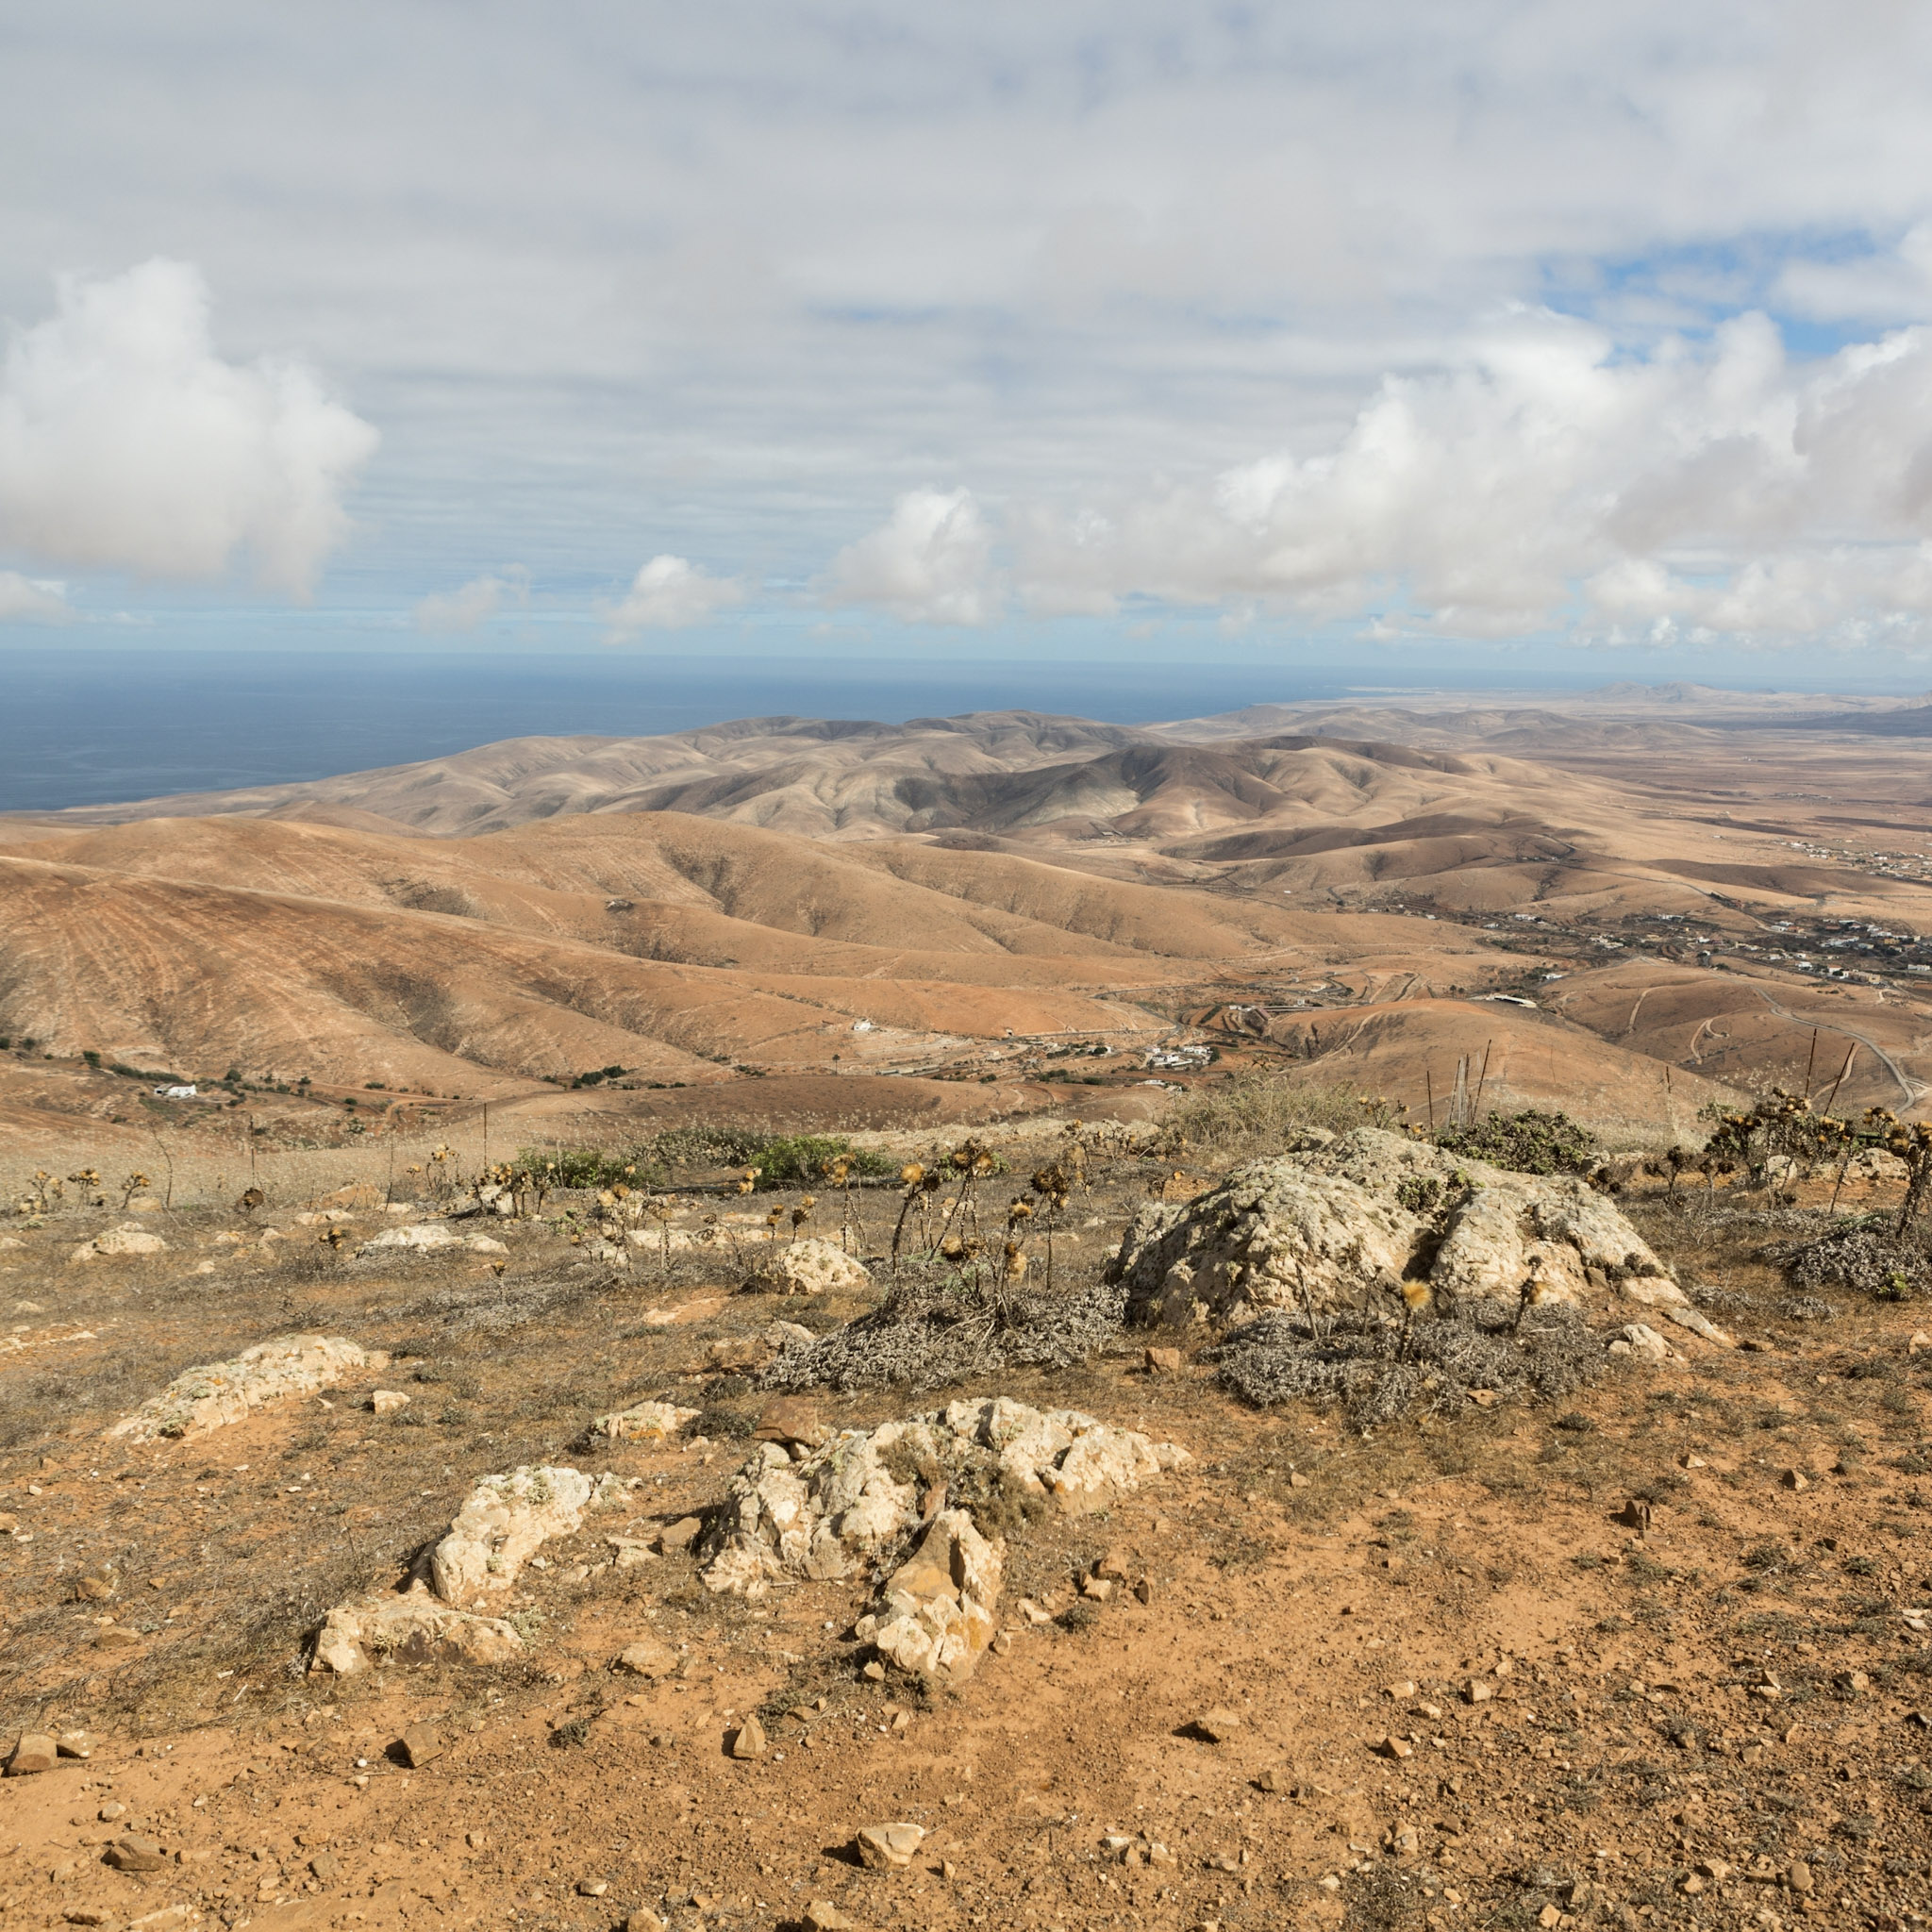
{"x": 503, "y": 1522}
{"x": 1349, "y": 1222}
{"x": 222, "y": 1392}
{"x": 425, "y": 1237}
{"x": 805, "y": 1266}
{"x": 858, "y": 1499}
{"x": 643, "y": 1421}
{"x": 129, "y": 1242}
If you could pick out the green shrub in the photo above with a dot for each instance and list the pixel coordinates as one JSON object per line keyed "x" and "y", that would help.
{"x": 783, "y": 1160}
{"x": 1528, "y": 1142}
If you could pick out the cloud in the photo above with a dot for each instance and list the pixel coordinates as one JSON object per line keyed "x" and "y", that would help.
{"x": 1546, "y": 481}
{"x": 32, "y": 600}
{"x": 931, "y": 563}
{"x": 668, "y": 593}
{"x": 475, "y": 603}
{"x": 127, "y": 441}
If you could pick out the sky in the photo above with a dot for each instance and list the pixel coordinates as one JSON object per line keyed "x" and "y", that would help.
{"x": 1453, "y": 331}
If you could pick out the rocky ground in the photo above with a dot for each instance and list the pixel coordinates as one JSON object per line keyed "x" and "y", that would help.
{"x": 1650, "y": 1655}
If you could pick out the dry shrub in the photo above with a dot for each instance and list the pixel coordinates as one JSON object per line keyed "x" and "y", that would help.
{"x": 1380, "y": 1369}
{"x": 931, "y": 1332}
{"x": 1248, "y": 1115}
{"x": 1862, "y": 1257}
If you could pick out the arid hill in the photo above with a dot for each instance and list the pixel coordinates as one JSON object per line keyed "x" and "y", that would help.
{"x": 956, "y": 900}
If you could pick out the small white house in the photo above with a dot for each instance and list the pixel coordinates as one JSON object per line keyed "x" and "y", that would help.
{"x": 177, "y": 1092}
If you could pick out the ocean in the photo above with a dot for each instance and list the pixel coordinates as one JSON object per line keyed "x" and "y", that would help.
{"x": 98, "y": 727}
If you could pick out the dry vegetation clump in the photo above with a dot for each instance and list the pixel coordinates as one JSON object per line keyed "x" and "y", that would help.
{"x": 929, "y": 1332}
{"x": 1251, "y": 1114}
{"x": 1862, "y": 1257}
{"x": 1380, "y": 1369}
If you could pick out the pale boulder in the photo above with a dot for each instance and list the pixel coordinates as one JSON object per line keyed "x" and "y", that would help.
{"x": 129, "y": 1242}
{"x": 506, "y": 1519}
{"x": 421, "y": 1236}
{"x": 805, "y": 1266}
{"x": 1358, "y": 1220}
{"x": 939, "y": 1604}
{"x": 643, "y": 1421}
{"x": 223, "y": 1392}
{"x": 412, "y": 1628}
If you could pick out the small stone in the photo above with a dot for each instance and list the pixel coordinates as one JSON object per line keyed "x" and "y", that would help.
{"x": 748, "y": 1739}
{"x": 1296, "y": 1480}
{"x": 115, "y": 1637}
{"x": 1393, "y": 1746}
{"x": 77, "y": 1744}
{"x": 418, "y": 1744}
{"x": 1404, "y": 1842}
{"x": 1635, "y": 1514}
{"x": 875, "y": 1672}
{"x": 644, "y": 1919}
{"x": 1159, "y": 1854}
{"x": 1799, "y": 1876}
{"x": 93, "y": 1590}
{"x": 1329, "y": 1883}
{"x": 1275, "y": 1779}
{"x": 112, "y": 1809}
{"x": 1855, "y": 1682}
{"x": 1403, "y": 1687}
{"x": 1477, "y": 1692}
{"x": 1549, "y": 1917}
{"x": 35, "y": 1752}
{"x": 1716, "y": 1870}
{"x": 136, "y": 1854}
{"x": 883, "y": 1847}
{"x": 1794, "y": 1479}
{"x": 1143, "y": 1591}
{"x": 822, "y": 1915}
{"x": 1002, "y": 1644}
{"x": 325, "y": 1865}
{"x": 1688, "y": 1461}
{"x": 1919, "y": 1343}
{"x": 1097, "y": 1589}
{"x": 592, "y": 1888}
{"x": 388, "y": 1401}
{"x": 1032, "y": 1612}
{"x": 1162, "y": 1361}
{"x": 679, "y": 1536}
{"x": 647, "y": 1657}
{"x": 1115, "y": 1566}
{"x": 86, "y": 1915}
{"x": 1218, "y": 1725}
{"x": 1691, "y": 1882}
{"x": 789, "y": 1418}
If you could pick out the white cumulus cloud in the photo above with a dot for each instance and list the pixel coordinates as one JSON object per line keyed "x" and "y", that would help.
{"x": 1542, "y": 480}
{"x": 32, "y": 600}
{"x": 669, "y": 594}
{"x": 931, "y": 563}
{"x": 127, "y": 441}
{"x": 475, "y": 603}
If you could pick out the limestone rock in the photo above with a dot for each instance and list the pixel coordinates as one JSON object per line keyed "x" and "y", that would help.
{"x": 386, "y": 1400}
{"x": 822, "y": 1915}
{"x": 223, "y": 1392}
{"x": 862, "y": 1495}
{"x": 503, "y": 1521}
{"x": 129, "y": 1241}
{"x": 411, "y": 1627}
{"x": 1348, "y": 1221}
{"x": 748, "y": 1739}
{"x": 1638, "y": 1339}
{"x": 417, "y": 1236}
{"x": 647, "y": 1657}
{"x": 805, "y": 1266}
{"x": 643, "y": 1421}
{"x": 939, "y": 1613}
{"x": 886, "y": 1847}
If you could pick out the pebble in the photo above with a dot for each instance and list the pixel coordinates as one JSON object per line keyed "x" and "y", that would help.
{"x": 325, "y": 1865}
{"x": 1393, "y": 1746}
{"x": 1218, "y": 1725}
{"x": 1097, "y": 1589}
{"x": 1162, "y": 1361}
{"x": 884, "y": 1847}
{"x": 679, "y": 1536}
{"x": 1403, "y": 1687}
{"x": 1794, "y": 1479}
{"x": 418, "y": 1744}
{"x": 136, "y": 1854}
{"x": 1799, "y": 1876}
{"x": 748, "y": 1739}
{"x": 388, "y": 1401}
{"x": 592, "y": 1888}
{"x": 822, "y": 1915}
{"x": 1477, "y": 1692}
{"x": 114, "y": 1809}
